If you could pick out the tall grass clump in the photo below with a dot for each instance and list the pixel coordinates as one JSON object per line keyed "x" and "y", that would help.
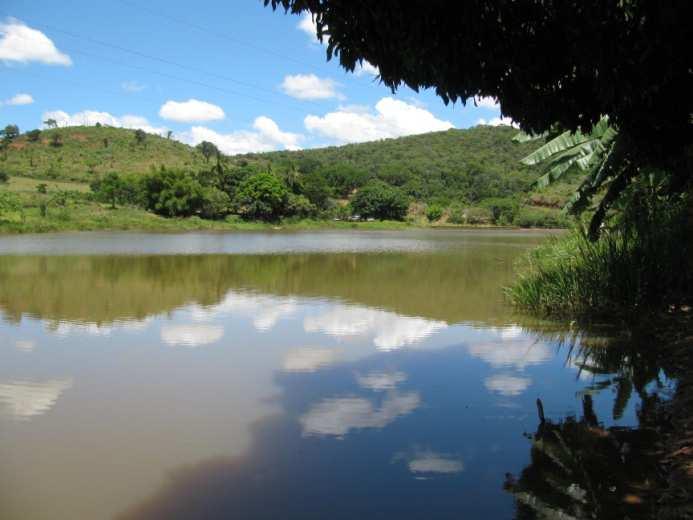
{"x": 639, "y": 265}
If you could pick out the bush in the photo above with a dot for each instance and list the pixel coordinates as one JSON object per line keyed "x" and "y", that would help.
{"x": 629, "y": 271}
{"x": 215, "y": 204}
{"x": 379, "y": 200}
{"x": 300, "y": 206}
{"x": 173, "y": 193}
{"x": 4, "y": 177}
{"x": 476, "y": 215}
{"x": 503, "y": 211}
{"x": 262, "y": 196}
{"x": 540, "y": 217}
{"x": 33, "y": 135}
{"x": 434, "y": 212}
{"x": 10, "y": 207}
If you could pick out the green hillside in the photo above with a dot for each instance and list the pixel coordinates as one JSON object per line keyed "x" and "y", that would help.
{"x": 458, "y": 177}
{"x": 84, "y": 152}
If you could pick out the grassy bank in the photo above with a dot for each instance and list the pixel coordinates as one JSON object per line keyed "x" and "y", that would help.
{"x": 97, "y": 217}
{"x": 631, "y": 272}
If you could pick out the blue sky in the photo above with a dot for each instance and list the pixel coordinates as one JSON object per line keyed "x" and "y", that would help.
{"x": 236, "y": 73}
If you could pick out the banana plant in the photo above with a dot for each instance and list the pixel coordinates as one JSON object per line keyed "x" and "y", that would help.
{"x": 600, "y": 154}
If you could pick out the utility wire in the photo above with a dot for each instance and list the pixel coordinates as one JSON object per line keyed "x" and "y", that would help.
{"x": 165, "y": 61}
{"x": 208, "y": 31}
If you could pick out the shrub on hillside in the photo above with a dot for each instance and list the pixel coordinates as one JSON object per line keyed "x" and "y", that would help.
{"x": 4, "y": 177}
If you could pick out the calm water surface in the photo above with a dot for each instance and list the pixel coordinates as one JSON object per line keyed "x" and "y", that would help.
{"x": 272, "y": 375}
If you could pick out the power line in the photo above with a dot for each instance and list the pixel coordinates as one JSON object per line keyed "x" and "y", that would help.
{"x": 173, "y": 63}
{"x": 178, "y": 78}
{"x": 208, "y": 31}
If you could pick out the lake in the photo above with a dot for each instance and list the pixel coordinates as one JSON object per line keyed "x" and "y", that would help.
{"x": 279, "y": 375}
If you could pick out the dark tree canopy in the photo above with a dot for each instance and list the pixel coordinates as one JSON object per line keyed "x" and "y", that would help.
{"x": 547, "y": 61}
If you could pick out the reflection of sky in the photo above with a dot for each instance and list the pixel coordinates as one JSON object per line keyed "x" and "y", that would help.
{"x": 340, "y": 373}
{"x": 24, "y": 399}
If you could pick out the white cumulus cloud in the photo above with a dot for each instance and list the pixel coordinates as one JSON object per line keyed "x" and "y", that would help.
{"x": 486, "y": 102}
{"x": 310, "y": 86}
{"x": 392, "y": 118}
{"x": 20, "y": 43}
{"x": 308, "y": 26}
{"x": 267, "y": 136}
{"x": 91, "y": 117}
{"x": 366, "y": 68}
{"x": 19, "y": 99}
{"x": 192, "y": 110}
{"x": 497, "y": 121}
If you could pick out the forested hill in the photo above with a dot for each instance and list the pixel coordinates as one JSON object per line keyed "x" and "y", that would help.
{"x": 456, "y": 176}
{"x": 474, "y": 164}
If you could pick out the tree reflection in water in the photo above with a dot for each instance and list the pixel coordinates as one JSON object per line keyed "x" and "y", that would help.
{"x": 581, "y": 469}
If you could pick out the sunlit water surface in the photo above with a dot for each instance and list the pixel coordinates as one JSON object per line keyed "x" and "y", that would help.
{"x": 271, "y": 375}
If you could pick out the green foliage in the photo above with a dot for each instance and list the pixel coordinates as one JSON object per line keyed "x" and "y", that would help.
{"x": 344, "y": 178}
{"x": 434, "y": 212}
{"x": 4, "y": 177}
{"x": 56, "y": 140}
{"x": 262, "y": 196}
{"x": 299, "y": 206}
{"x": 215, "y": 204}
{"x": 637, "y": 266}
{"x": 528, "y": 216}
{"x": 10, "y": 207}
{"x": 173, "y": 193}
{"x": 140, "y": 136}
{"x": 111, "y": 189}
{"x": 503, "y": 211}
{"x": 10, "y": 132}
{"x": 380, "y": 200}
{"x": 317, "y": 190}
{"x": 33, "y": 135}
{"x": 50, "y": 123}
{"x": 207, "y": 149}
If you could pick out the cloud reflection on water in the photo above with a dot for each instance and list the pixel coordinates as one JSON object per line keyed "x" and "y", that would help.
{"x": 24, "y": 399}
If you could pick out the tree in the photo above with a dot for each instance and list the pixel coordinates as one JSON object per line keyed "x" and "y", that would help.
{"x": 317, "y": 190}
{"x": 10, "y": 132}
{"x": 207, "y": 149}
{"x": 50, "y": 123}
{"x": 380, "y": 200}
{"x": 42, "y": 190}
{"x": 33, "y": 135}
{"x": 567, "y": 63}
{"x": 262, "y": 196}
{"x": 215, "y": 204}
{"x": 344, "y": 178}
{"x": 56, "y": 140}
{"x": 434, "y": 212}
{"x": 140, "y": 136}
{"x": 110, "y": 189}
{"x": 173, "y": 193}
{"x": 4, "y": 177}
{"x": 169, "y": 133}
